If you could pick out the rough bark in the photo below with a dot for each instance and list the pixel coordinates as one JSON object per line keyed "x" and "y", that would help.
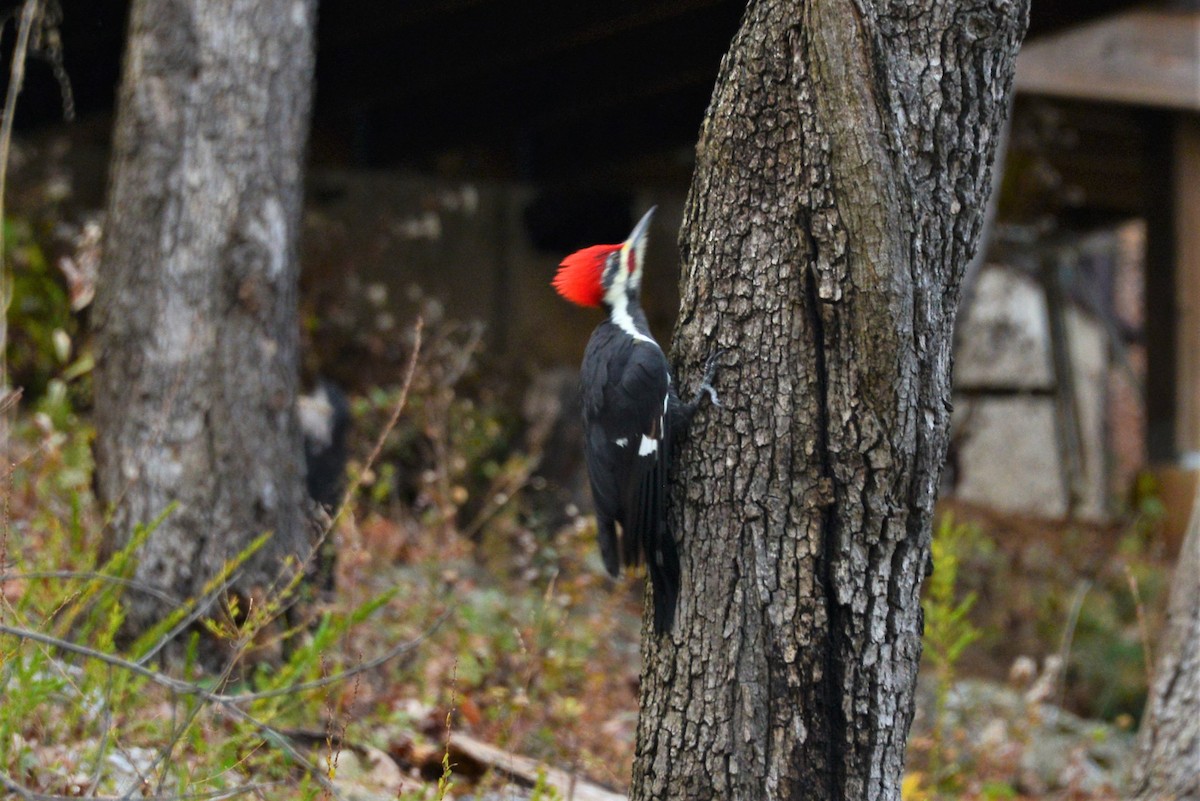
{"x": 841, "y": 181}
{"x": 195, "y": 308}
{"x": 1168, "y": 767}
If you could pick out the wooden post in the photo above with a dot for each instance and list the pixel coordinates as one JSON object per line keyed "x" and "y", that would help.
{"x": 1187, "y": 290}
{"x": 1159, "y": 321}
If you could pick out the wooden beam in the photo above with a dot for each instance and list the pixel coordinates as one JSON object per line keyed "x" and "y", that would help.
{"x": 1145, "y": 57}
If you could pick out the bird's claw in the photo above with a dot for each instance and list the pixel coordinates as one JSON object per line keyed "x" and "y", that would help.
{"x": 710, "y": 372}
{"x": 710, "y": 369}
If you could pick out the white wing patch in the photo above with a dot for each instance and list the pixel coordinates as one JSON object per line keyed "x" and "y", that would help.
{"x": 622, "y": 442}
{"x": 649, "y": 444}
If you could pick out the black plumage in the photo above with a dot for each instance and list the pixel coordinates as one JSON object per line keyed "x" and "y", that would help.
{"x": 631, "y": 416}
{"x": 627, "y": 427}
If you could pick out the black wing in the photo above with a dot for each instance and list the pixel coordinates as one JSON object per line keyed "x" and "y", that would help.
{"x": 626, "y": 392}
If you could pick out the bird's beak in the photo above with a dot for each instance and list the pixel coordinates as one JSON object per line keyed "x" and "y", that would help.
{"x": 633, "y": 252}
{"x": 639, "y": 230}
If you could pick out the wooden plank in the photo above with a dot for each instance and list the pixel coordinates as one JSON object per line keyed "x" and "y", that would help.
{"x": 1147, "y": 57}
{"x": 525, "y": 770}
{"x": 1187, "y": 290}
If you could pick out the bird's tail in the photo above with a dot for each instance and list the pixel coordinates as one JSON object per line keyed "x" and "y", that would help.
{"x": 649, "y": 537}
{"x": 663, "y": 566}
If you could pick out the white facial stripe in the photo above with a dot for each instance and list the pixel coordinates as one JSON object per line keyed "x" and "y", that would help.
{"x": 620, "y": 279}
{"x": 639, "y": 259}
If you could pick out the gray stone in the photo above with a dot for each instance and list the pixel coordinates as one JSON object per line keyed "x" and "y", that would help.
{"x": 1007, "y": 444}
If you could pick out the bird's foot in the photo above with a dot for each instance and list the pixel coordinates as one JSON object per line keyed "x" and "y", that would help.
{"x": 710, "y": 372}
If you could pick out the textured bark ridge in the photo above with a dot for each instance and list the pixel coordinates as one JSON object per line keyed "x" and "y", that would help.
{"x": 842, "y": 175}
{"x": 1169, "y": 740}
{"x": 195, "y": 308}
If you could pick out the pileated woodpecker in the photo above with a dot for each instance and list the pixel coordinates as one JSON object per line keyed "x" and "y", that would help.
{"x": 632, "y": 416}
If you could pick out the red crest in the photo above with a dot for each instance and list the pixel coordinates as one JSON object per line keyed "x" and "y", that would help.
{"x": 579, "y": 276}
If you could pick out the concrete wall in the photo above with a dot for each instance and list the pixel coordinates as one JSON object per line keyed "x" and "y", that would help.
{"x": 468, "y": 246}
{"x": 1007, "y": 454}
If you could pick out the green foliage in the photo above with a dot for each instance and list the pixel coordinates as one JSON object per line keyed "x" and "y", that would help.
{"x": 997, "y": 791}
{"x": 948, "y": 633}
{"x": 451, "y": 459}
{"x": 545, "y": 648}
{"x": 1107, "y": 655}
{"x": 520, "y": 656}
{"x": 444, "y": 784}
{"x": 524, "y": 668}
{"x": 80, "y": 698}
{"x": 543, "y": 790}
{"x": 41, "y": 327}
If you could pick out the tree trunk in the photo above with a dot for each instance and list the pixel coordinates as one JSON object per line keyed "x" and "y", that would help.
{"x": 841, "y": 180}
{"x": 1168, "y": 766}
{"x": 195, "y": 312}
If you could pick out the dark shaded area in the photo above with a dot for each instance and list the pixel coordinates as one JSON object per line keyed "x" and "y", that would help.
{"x": 92, "y": 33}
{"x": 523, "y": 90}
{"x": 537, "y": 91}
{"x": 325, "y": 423}
{"x": 560, "y": 221}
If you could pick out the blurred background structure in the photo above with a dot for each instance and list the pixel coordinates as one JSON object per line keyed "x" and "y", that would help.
{"x": 461, "y": 147}
{"x": 1106, "y": 148}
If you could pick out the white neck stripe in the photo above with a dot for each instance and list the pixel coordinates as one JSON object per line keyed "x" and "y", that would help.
{"x": 622, "y": 319}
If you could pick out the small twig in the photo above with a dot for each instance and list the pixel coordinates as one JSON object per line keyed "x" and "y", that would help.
{"x": 98, "y": 768}
{"x": 282, "y": 740}
{"x": 181, "y": 729}
{"x": 91, "y": 653}
{"x": 228, "y": 702}
{"x": 335, "y": 735}
{"x": 444, "y": 783}
{"x": 506, "y": 486}
{"x": 1143, "y": 625}
{"x": 48, "y": 46}
{"x": 187, "y": 688}
{"x": 456, "y": 373}
{"x": 13, "y": 786}
{"x": 1064, "y": 650}
{"x": 409, "y": 371}
{"x": 334, "y": 678}
{"x": 201, "y": 609}
{"x": 401, "y": 402}
{"x": 9, "y": 468}
{"x": 8, "y": 400}
{"x": 29, "y": 14}
{"x": 91, "y": 575}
